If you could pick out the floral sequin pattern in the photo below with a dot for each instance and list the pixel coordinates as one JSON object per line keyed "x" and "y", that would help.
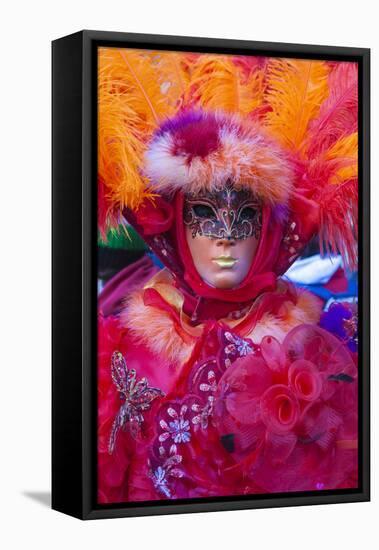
{"x": 185, "y": 422}
{"x": 163, "y": 473}
{"x": 292, "y": 242}
{"x": 135, "y": 395}
{"x": 177, "y": 429}
{"x": 235, "y": 347}
{"x": 202, "y": 414}
{"x": 174, "y": 432}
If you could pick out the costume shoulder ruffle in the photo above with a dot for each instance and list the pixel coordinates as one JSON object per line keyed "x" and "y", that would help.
{"x": 305, "y": 310}
{"x": 155, "y": 318}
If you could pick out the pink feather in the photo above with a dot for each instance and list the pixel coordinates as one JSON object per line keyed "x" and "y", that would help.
{"x": 338, "y": 211}
{"x": 249, "y": 64}
{"x": 338, "y": 114}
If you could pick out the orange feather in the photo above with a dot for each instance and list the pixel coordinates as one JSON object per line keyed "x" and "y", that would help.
{"x": 219, "y": 83}
{"x": 295, "y": 92}
{"x": 344, "y": 153}
{"x": 136, "y": 90}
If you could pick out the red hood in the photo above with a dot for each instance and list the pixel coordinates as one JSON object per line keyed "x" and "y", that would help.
{"x": 282, "y": 238}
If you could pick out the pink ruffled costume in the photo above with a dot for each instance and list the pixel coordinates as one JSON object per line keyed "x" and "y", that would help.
{"x": 204, "y": 392}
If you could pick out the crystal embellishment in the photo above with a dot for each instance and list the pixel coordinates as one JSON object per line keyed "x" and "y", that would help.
{"x": 136, "y": 397}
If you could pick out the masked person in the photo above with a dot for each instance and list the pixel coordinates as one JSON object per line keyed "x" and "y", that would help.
{"x": 216, "y": 378}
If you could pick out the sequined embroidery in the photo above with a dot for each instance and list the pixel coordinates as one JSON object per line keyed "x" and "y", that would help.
{"x": 135, "y": 395}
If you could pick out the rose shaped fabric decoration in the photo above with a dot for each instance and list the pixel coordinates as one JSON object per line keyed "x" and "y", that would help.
{"x": 286, "y": 409}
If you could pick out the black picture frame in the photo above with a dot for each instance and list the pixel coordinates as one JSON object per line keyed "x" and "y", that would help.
{"x": 74, "y": 267}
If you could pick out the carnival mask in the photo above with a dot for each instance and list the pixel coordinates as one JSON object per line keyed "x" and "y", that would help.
{"x": 222, "y": 230}
{"x": 225, "y": 214}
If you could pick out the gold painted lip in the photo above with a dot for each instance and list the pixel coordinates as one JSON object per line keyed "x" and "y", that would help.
{"x": 225, "y": 261}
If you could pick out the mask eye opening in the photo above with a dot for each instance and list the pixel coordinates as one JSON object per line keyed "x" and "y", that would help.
{"x": 248, "y": 213}
{"x": 204, "y": 211}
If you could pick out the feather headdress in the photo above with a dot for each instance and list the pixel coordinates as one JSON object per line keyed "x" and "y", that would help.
{"x": 170, "y": 120}
{"x": 199, "y": 150}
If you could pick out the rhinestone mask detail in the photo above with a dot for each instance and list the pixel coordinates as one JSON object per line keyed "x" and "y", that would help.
{"x": 225, "y": 214}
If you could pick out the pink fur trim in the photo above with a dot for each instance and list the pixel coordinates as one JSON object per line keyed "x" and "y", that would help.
{"x": 155, "y": 329}
{"x": 202, "y": 154}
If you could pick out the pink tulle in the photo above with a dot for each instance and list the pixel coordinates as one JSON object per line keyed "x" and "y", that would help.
{"x": 302, "y": 432}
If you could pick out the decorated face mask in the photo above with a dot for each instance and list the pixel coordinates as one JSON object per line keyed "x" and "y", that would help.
{"x": 222, "y": 230}
{"x": 224, "y": 214}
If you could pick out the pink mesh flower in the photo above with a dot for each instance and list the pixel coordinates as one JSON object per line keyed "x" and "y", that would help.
{"x": 279, "y": 409}
{"x": 282, "y": 414}
{"x": 305, "y": 380}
